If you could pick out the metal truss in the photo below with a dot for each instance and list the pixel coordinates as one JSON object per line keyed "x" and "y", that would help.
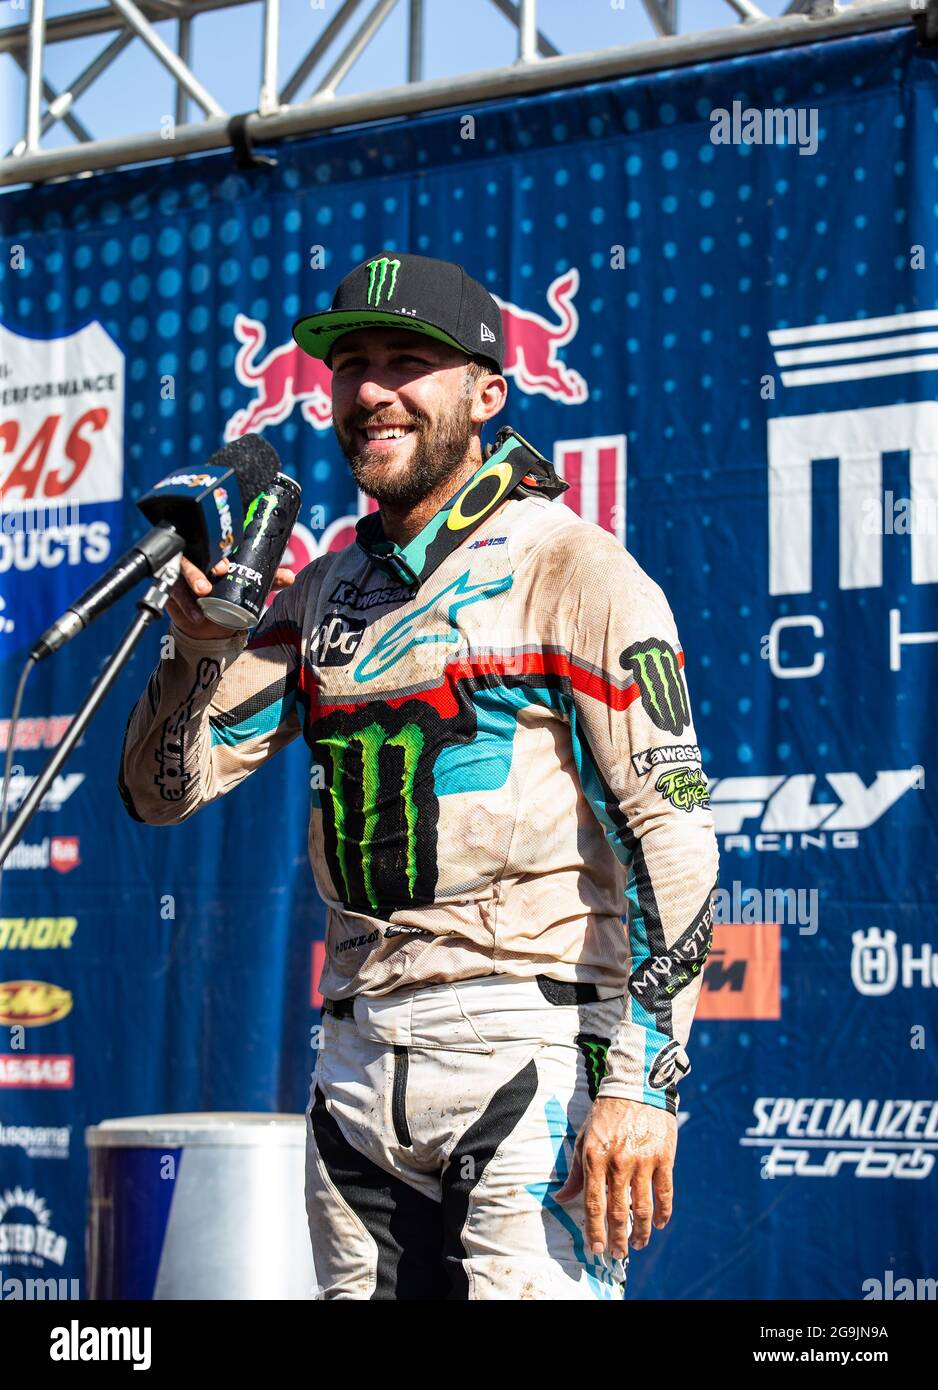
{"x": 275, "y": 109}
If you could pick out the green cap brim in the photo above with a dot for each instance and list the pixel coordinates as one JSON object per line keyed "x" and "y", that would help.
{"x": 316, "y": 334}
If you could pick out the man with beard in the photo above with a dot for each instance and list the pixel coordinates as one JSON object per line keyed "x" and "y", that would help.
{"x": 504, "y": 768}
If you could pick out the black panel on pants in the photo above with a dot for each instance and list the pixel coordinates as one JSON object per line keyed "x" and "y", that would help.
{"x": 407, "y": 1227}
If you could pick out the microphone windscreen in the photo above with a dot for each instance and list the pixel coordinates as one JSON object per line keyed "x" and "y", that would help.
{"x": 254, "y": 462}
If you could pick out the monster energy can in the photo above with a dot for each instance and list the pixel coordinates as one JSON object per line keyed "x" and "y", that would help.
{"x": 238, "y": 597}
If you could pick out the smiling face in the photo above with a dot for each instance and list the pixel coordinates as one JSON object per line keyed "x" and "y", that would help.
{"x": 403, "y": 415}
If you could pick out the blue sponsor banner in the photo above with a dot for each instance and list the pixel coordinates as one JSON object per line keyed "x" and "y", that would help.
{"x": 721, "y": 321}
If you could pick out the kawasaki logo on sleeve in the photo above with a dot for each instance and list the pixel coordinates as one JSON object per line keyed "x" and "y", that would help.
{"x": 377, "y": 275}
{"x": 654, "y": 666}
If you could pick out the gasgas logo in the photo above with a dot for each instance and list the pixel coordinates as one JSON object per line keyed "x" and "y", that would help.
{"x": 32, "y": 1003}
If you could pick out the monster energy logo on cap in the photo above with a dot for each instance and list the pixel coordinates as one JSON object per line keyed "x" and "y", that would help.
{"x": 654, "y": 666}
{"x": 377, "y": 274}
{"x": 370, "y": 742}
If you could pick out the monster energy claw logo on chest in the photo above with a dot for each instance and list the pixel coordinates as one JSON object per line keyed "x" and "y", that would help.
{"x": 654, "y": 666}
{"x": 380, "y": 814}
{"x": 377, "y": 277}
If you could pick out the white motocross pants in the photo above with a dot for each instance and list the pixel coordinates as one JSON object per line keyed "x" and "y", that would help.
{"x": 441, "y": 1123}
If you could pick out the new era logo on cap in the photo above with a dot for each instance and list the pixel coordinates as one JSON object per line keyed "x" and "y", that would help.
{"x": 419, "y": 293}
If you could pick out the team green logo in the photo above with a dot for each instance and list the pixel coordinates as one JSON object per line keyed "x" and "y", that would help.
{"x": 685, "y": 788}
{"x": 370, "y": 742}
{"x": 654, "y": 666}
{"x": 377, "y": 276}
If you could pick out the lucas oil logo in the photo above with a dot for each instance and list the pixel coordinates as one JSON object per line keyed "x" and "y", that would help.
{"x": 61, "y": 470}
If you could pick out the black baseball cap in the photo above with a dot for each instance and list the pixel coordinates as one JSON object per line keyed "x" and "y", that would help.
{"x": 399, "y": 290}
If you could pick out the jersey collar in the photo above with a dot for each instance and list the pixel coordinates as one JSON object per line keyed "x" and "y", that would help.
{"x": 514, "y": 469}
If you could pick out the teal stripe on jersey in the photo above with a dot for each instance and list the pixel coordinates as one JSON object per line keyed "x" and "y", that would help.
{"x": 258, "y": 725}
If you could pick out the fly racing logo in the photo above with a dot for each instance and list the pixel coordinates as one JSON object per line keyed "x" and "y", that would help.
{"x": 377, "y": 278}
{"x": 655, "y": 667}
{"x": 486, "y": 335}
{"x": 780, "y": 813}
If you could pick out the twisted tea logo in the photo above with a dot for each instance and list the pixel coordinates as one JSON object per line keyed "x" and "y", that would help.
{"x": 685, "y": 788}
{"x": 594, "y": 1051}
{"x": 654, "y": 667}
{"x": 370, "y": 743}
{"x": 377, "y": 274}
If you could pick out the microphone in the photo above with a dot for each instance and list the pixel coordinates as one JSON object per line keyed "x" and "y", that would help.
{"x": 197, "y": 514}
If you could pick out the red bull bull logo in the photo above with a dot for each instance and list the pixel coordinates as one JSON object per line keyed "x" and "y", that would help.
{"x": 285, "y": 377}
{"x": 531, "y": 344}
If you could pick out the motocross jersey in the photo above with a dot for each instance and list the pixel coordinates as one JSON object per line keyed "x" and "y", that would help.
{"x": 504, "y": 770}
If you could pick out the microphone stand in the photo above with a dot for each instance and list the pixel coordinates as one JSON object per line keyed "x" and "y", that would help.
{"x": 151, "y": 607}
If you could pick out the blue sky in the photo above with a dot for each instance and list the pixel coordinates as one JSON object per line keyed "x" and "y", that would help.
{"x": 461, "y": 36}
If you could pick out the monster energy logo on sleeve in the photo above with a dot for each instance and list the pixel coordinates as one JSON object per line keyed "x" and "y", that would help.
{"x": 594, "y": 1051}
{"x": 377, "y": 274}
{"x": 654, "y": 666}
{"x": 370, "y": 742}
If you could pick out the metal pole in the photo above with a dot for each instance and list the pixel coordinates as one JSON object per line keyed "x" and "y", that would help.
{"x": 746, "y": 9}
{"x": 267, "y": 101}
{"x": 527, "y": 31}
{"x": 184, "y": 49}
{"x": 80, "y": 132}
{"x": 104, "y": 20}
{"x": 353, "y": 49}
{"x": 510, "y": 10}
{"x": 863, "y": 17}
{"x": 415, "y": 42}
{"x": 306, "y": 65}
{"x": 37, "y": 24}
{"x": 167, "y": 57}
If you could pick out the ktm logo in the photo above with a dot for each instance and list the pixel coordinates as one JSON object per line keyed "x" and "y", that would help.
{"x": 743, "y": 975}
{"x": 32, "y": 1003}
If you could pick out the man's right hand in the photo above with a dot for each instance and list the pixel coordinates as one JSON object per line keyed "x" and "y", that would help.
{"x": 186, "y": 613}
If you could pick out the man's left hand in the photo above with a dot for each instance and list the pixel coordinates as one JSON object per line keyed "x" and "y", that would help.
{"x": 624, "y": 1148}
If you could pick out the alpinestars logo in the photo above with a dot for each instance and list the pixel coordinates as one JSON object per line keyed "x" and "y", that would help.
{"x": 377, "y": 276}
{"x": 654, "y": 666}
{"x": 379, "y": 809}
{"x": 669, "y": 1064}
